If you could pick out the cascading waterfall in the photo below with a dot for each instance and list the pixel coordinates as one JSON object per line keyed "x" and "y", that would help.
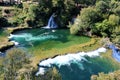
{"x": 67, "y": 60}
{"x": 116, "y": 52}
{"x": 51, "y": 23}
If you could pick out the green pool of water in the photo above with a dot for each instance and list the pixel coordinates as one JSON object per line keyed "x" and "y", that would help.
{"x": 47, "y": 39}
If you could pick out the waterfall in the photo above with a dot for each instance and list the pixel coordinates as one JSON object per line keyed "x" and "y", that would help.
{"x": 116, "y": 52}
{"x": 51, "y": 23}
{"x": 68, "y": 60}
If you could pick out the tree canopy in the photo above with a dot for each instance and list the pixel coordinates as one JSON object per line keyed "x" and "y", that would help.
{"x": 101, "y": 19}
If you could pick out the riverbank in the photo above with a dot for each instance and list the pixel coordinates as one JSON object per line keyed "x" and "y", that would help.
{"x": 4, "y": 34}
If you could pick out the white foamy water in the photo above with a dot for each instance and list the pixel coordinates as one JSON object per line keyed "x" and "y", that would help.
{"x": 30, "y": 37}
{"x": 41, "y": 71}
{"x": 46, "y": 27}
{"x": 15, "y": 43}
{"x": 11, "y": 36}
{"x": 68, "y": 59}
{"x": 1, "y": 52}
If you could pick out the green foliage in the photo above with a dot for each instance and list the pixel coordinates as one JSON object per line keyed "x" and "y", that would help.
{"x": 116, "y": 39}
{"x": 0, "y": 12}
{"x": 14, "y": 61}
{"x": 117, "y": 11}
{"x": 3, "y": 22}
{"x": 102, "y": 6}
{"x": 74, "y": 29}
{"x": 113, "y": 5}
{"x": 116, "y": 35}
{"x": 31, "y": 15}
{"x": 19, "y": 19}
{"x": 111, "y": 76}
{"x": 24, "y": 16}
{"x": 16, "y": 66}
{"x": 51, "y": 74}
{"x": 88, "y": 16}
{"x": 31, "y": 10}
{"x": 114, "y": 20}
{"x": 102, "y": 19}
{"x": 102, "y": 29}
{"x": 62, "y": 9}
{"x": 86, "y": 2}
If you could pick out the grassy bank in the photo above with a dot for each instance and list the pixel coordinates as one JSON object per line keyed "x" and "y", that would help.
{"x": 4, "y": 33}
{"x": 93, "y": 44}
{"x": 88, "y": 46}
{"x": 4, "y": 41}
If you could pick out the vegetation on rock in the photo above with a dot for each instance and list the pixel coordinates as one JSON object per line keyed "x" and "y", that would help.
{"x": 111, "y": 76}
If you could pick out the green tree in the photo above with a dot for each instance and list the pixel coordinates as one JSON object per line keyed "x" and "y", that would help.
{"x": 114, "y": 20}
{"x": 116, "y": 35}
{"x": 113, "y": 5}
{"x": 76, "y": 27}
{"x": 88, "y": 17}
{"x": 86, "y": 2}
{"x": 3, "y": 21}
{"x": 50, "y": 74}
{"x": 0, "y": 12}
{"x": 31, "y": 15}
{"x": 63, "y": 10}
{"x": 102, "y": 7}
{"x": 102, "y": 29}
{"x": 110, "y": 76}
{"x": 14, "y": 61}
{"x": 117, "y": 11}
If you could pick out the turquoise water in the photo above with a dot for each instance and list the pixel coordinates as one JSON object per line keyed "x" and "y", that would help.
{"x": 49, "y": 39}
{"x": 94, "y": 66}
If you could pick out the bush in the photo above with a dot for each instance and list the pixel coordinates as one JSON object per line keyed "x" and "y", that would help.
{"x": 110, "y": 76}
{"x": 51, "y": 74}
{"x": 7, "y": 11}
{"x": 14, "y": 61}
{"x": 4, "y": 22}
{"x": 0, "y": 12}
